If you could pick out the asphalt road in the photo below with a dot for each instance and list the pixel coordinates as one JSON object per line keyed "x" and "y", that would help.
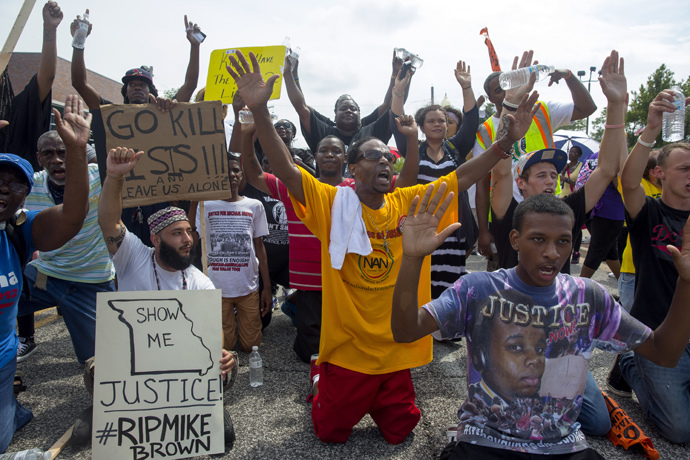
{"x": 273, "y": 421}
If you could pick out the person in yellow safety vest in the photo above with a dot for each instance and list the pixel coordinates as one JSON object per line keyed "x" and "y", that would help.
{"x": 550, "y": 117}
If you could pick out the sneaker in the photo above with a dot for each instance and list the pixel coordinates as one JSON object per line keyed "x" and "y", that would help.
{"x": 228, "y": 430}
{"x": 26, "y": 348}
{"x": 81, "y": 431}
{"x": 290, "y": 310}
{"x": 611, "y": 275}
{"x": 615, "y": 381}
{"x": 575, "y": 259}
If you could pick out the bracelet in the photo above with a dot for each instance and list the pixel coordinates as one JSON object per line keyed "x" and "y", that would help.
{"x": 570, "y": 74}
{"x": 296, "y": 79}
{"x": 468, "y": 87}
{"x": 398, "y": 94}
{"x": 622, "y": 125}
{"x": 500, "y": 153}
{"x": 510, "y": 105}
{"x": 646, "y": 144}
{"x": 393, "y": 77}
{"x": 114, "y": 176}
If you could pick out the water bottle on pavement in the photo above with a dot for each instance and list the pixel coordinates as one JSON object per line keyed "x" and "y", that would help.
{"x": 31, "y": 454}
{"x": 256, "y": 370}
{"x": 82, "y": 31}
{"x": 520, "y": 77}
{"x": 673, "y": 126}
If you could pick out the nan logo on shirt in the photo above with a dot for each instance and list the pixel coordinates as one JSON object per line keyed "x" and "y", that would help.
{"x": 376, "y": 266}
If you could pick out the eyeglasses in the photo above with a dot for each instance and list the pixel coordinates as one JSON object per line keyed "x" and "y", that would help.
{"x": 15, "y": 187}
{"x": 48, "y": 153}
{"x": 375, "y": 155}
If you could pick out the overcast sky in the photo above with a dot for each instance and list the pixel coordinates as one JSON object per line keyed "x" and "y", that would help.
{"x": 346, "y": 46}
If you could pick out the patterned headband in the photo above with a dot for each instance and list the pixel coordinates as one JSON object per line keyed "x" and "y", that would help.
{"x": 165, "y": 217}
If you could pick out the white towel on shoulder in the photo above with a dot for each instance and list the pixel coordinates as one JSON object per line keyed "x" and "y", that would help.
{"x": 348, "y": 232}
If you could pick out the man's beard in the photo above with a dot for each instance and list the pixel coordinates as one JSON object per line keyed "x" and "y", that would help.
{"x": 170, "y": 257}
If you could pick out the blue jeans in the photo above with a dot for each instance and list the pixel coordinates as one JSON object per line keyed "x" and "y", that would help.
{"x": 77, "y": 302}
{"x": 626, "y": 290}
{"x": 13, "y": 415}
{"x": 594, "y": 415}
{"x": 664, "y": 393}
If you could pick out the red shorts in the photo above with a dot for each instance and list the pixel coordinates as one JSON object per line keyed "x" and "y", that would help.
{"x": 345, "y": 396}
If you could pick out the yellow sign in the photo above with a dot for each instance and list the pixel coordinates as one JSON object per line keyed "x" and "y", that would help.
{"x": 220, "y": 86}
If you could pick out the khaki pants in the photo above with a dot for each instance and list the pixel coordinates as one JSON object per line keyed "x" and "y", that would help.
{"x": 247, "y": 319}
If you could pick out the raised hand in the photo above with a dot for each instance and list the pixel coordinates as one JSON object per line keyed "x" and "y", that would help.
{"x": 121, "y": 161}
{"x": 612, "y": 80}
{"x": 396, "y": 64}
{"x": 419, "y": 236}
{"x": 663, "y": 102}
{"x": 52, "y": 14}
{"x": 557, "y": 75}
{"x": 74, "y": 126}
{"x": 515, "y": 95}
{"x": 191, "y": 30}
{"x": 681, "y": 258}
{"x": 401, "y": 84}
{"x": 75, "y": 25}
{"x": 406, "y": 125}
{"x": 462, "y": 74}
{"x": 250, "y": 83}
{"x": 520, "y": 121}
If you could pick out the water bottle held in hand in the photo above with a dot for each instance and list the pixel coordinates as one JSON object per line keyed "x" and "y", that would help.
{"x": 520, "y": 77}
{"x": 673, "y": 124}
{"x": 82, "y": 31}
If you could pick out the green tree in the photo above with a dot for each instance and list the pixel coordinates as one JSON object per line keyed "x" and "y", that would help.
{"x": 490, "y": 110}
{"x": 636, "y": 117}
{"x": 170, "y": 93}
{"x": 597, "y": 129}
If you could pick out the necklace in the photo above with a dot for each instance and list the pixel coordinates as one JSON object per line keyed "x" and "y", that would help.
{"x": 385, "y": 241}
{"x": 155, "y": 272}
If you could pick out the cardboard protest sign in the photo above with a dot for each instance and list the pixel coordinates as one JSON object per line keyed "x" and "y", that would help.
{"x": 185, "y": 156}
{"x": 158, "y": 392}
{"x": 221, "y": 86}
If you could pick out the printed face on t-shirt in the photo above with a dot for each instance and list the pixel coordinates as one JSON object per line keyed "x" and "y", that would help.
{"x": 515, "y": 361}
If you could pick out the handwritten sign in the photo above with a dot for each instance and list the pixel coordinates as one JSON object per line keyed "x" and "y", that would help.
{"x": 158, "y": 392}
{"x": 185, "y": 156}
{"x": 221, "y": 86}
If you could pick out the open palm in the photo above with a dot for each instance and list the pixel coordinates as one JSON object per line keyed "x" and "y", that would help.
{"x": 420, "y": 236}
{"x": 74, "y": 126}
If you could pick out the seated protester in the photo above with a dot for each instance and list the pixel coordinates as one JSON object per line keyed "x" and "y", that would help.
{"x": 25, "y": 232}
{"x": 348, "y": 126}
{"x": 657, "y": 229}
{"x": 360, "y": 368}
{"x": 438, "y": 156}
{"x": 530, "y": 332}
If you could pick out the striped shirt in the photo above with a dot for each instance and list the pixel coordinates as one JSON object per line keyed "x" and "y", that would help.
{"x": 85, "y": 258}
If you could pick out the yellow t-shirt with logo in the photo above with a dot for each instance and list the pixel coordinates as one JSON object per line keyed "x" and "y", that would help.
{"x": 627, "y": 266}
{"x": 357, "y": 299}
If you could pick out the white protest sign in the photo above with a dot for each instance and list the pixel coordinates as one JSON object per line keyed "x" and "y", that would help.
{"x": 158, "y": 392}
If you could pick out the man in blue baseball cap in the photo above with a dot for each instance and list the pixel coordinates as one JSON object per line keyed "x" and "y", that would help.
{"x": 23, "y": 232}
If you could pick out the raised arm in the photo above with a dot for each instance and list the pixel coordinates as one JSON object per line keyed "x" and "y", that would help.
{"x": 55, "y": 226}
{"x": 667, "y": 343}
{"x": 256, "y": 93}
{"x": 296, "y": 97}
{"x": 584, "y": 104}
{"x": 614, "y": 85}
{"x": 409, "y": 322}
{"x": 406, "y": 125}
{"x": 464, "y": 78}
{"x": 631, "y": 175}
{"x": 121, "y": 161}
{"x": 79, "y": 79}
{"x": 191, "y": 79}
{"x": 52, "y": 16}
{"x": 250, "y": 164}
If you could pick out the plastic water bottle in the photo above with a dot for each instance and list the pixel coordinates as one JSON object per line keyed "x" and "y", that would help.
{"x": 520, "y": 77}
{"x": 82, "y": 31}
{"x": 256, "y": 370}
{"x": 246, "y": 116}
{"x": 673, "y": 126}
{"x": 31, "y": 454}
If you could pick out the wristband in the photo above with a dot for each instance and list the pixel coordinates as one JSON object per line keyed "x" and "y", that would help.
{"x": 296, "y": 79}
{"x": 468, "y": 87}
{"x": 500, "y": 153}
{"x": 510, "y": 105}
{"x": 570, "y": 74}
{"x": 393, "y": 77}
{"x": 646, "y": 144}
{"x": 622, "y": 125}
{"x": 115, "y": 177}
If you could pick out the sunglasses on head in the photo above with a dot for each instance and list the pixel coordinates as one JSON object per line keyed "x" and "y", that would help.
{"x": 375, "y": 155}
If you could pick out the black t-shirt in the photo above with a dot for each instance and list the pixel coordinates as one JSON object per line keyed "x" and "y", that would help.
{"x": 98, "y": 133}
{"x": 369, "y": 119}
{"x": 276, "y": 242}
{"x": 656, "y": 226}
{"x": 320, "y": 129}
{"x": 500, "y": 229}
{"x": 30, "y": 118}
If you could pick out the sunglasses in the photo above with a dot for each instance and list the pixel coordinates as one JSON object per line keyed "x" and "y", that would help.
{"x": 285, "y": 126}
{"x": 15, "y": 187}
{"x": 375, "y": 155}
